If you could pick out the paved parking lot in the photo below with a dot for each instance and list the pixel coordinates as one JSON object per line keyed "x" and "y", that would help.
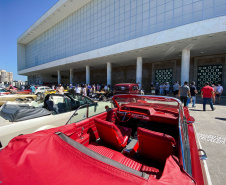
{"x": 211, "y": 130}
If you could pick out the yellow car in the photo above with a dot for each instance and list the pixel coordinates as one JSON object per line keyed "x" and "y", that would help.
{"x": 50, "y": 92}
{"x": 53, "y": 92}
{"x": 14, "y": 97}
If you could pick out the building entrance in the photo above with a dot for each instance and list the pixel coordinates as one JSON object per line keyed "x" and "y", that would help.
{"x": 211, "y": 74}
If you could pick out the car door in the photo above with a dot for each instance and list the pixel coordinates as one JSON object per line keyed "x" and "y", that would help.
{"x": 87, "y": 107}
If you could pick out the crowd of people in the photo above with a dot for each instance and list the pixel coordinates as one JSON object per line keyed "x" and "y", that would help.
{"x": 187, "y": 92}
{"x": 84, "y": 89}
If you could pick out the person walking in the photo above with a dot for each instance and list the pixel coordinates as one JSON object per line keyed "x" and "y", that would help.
{"x": 193, "y": 91}
{"x": 167, "y": 89}
{"x": 157, "y": 88}
{"x": 184, "y": 93}
{"x": 84, "y": 90}
{"x": 214, "y": 89}
{"x": 219, "y": 91}
{"x": 162, "y": 89}
{"x": 88, "y": 90}
{"x": 78, "y": 89}
{"x": 152, "y": 88}
{"x": 105, "y": 88}
{"x": 98, "y": 87}
{"x": 60, "y": 89}
{"x": 207, "y": 93}
{"x": 93, "y": 89}
{"x": 32, "y": 89}
{"x": 176, "y": 88}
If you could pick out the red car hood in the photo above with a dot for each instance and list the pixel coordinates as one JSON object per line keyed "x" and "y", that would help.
{"x": 43, "y": 158}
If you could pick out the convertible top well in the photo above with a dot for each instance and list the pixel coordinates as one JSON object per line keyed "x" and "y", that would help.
{"x": 15, "y": 113}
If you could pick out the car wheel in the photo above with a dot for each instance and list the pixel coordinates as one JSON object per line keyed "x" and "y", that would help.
{"x": 39, "y": 96}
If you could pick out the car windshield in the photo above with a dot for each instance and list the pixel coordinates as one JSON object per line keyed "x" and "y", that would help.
{"x": 122, "y": 88}
{"x": 77, "y": 97}
{"x": 145, "y": 100}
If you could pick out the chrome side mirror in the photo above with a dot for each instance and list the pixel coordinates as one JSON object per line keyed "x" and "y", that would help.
{"x": 190, "y": 120}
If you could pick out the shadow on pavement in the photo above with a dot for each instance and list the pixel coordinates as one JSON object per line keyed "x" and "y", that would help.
{"x": 223, "y": 119}
{"x": 196, "y": 110}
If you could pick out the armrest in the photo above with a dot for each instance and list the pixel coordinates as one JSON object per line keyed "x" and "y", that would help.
{"x": 131, "y": 148}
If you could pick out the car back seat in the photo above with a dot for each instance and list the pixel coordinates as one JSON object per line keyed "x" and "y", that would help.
{"x": 119, "y": 157}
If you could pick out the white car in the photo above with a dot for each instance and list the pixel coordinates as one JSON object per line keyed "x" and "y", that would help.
{"x": 24, "y": 118}
{"x": 40, "y": 91}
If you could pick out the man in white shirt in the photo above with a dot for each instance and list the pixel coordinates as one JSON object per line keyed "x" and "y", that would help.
{"x": 78, "y": 89}
{"x": 105, "y": 88}
{"x": 219, "y": 91}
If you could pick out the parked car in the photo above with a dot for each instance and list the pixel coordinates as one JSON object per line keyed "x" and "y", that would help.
{"x": 143, "y": 140}
{"x": 40, "y": 91}
{"x": 14, "y": 97}
{"x": 102, "y": 95}
{"x": 4, "y": 91}
{"x": 50, "y": 91}
{"x": 25, "y": 91}
{"x": 126, "y": 88}
{"x": 26, "y": 117}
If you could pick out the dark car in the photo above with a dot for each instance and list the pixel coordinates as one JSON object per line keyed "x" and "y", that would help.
{"x": 126, "y": 88}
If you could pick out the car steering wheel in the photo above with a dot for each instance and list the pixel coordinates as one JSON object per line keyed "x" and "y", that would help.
{"x": 123, "y": 116}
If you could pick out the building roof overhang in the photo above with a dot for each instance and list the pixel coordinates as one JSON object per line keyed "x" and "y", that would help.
{"x": 54, "y": 15}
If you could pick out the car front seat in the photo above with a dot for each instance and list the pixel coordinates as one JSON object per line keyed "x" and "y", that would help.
{"x": 50, "y": 106}
{"x": 155, "y": 145}
{"x": 112, "y": 134}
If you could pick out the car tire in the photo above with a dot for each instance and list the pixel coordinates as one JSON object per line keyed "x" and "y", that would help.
{"x": 39, "y": 96}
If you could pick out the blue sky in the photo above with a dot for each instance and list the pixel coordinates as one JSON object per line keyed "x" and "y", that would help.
{"x": 16, "y": 16}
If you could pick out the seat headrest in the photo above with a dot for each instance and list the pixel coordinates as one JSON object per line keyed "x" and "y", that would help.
{"x": 102, "y": 122}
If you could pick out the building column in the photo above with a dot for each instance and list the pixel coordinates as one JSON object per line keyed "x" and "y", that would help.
{"x": 87, "y": 75}
{"x": 71, "y": 76}
{"x": 224, "y": 75}
{"x": 59, "y": 77}
{"x": 108, "y": 73}
{"x": 185, "y": 65}
{"x": 139, "y": 70}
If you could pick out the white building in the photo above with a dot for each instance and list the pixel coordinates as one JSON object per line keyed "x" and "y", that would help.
{"x": 6, "y": 77}
{"x": 114, "y": 41}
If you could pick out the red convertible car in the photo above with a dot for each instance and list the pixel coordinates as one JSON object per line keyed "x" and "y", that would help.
{"x": 143, "y": 140}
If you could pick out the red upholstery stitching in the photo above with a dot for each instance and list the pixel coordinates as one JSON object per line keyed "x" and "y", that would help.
{"x": 110, "y": 133}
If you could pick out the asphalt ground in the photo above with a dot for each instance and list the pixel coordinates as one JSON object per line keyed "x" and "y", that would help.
{"x": 211, "y": 131}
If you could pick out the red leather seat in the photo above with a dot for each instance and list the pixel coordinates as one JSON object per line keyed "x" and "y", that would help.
{"x": 112, "y": 134}
{"x": 155, "y": 145}
{"x": 119, "y": 157}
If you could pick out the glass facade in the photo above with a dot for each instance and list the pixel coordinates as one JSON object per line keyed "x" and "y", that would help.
{"x": 102, "y": 23}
